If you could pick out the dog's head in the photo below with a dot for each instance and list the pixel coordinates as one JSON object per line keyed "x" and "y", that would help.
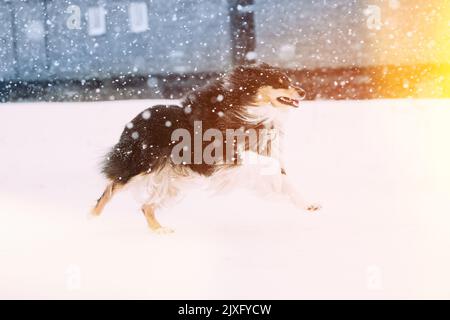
{"x": 264, "y": 85}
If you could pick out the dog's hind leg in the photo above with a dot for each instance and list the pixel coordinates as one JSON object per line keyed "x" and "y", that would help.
{"x": 154, "y": 225}
{"x": 110, "y": 190}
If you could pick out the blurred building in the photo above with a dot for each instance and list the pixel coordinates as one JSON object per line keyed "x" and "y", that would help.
{"x": 151, "y": 43}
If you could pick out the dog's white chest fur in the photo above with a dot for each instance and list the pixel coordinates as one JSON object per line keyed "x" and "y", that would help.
{"x": 267, "y": 114}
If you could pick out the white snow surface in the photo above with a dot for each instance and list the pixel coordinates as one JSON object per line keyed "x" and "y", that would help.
{"x": 380, "y": 169}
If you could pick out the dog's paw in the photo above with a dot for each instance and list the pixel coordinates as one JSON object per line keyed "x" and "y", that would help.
{"x": 92, "y": 214}
{"x": 301, "y": 204}
{"x": 313, "y": 207}
{"x": 164, "y": 230}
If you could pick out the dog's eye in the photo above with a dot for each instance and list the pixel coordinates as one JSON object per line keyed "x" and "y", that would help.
{"x": 284, "y": 81}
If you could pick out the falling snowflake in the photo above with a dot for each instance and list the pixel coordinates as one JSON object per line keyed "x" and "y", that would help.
{"x": 146, "y": 115}
{"x": 187, "y": 109}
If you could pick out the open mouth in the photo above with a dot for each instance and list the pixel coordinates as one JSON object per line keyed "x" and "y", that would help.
{"x": 290, "y": 102}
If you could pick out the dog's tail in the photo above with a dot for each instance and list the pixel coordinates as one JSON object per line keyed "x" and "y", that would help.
{"x": 110, "y": 190}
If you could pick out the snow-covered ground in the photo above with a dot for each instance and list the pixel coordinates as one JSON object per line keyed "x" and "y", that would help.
{"x": 381, "y": 170}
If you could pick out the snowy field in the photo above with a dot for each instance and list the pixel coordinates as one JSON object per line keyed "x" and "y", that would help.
{"x": 380, "y": 169}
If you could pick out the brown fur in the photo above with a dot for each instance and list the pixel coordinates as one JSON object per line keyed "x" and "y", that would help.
{"x": 109, "y": 192}
{"x": 154, "y": 225}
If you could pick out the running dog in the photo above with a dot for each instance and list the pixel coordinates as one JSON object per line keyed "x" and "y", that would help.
{"x": 149, "y": 153}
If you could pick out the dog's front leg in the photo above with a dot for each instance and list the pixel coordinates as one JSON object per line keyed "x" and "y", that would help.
{"x": 149, "y": 213}
{"x": 288, "y": 189}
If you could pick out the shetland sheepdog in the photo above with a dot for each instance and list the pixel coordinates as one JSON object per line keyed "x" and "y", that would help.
{"x": 209, "y": 134}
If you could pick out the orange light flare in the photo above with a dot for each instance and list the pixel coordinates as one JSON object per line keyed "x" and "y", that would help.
{"x": 413, "y": 42}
